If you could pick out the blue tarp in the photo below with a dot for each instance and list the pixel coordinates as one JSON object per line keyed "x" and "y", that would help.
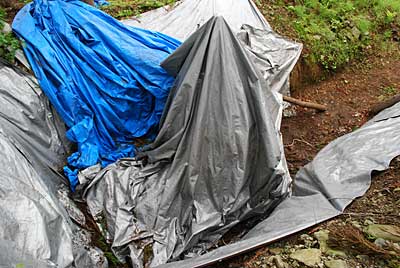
{"x": 103, "y": 78}
{"x": 100, "y": 3}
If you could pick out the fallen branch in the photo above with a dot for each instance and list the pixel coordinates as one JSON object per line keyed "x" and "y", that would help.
{"x": 350, "y": 238}
{"x": 311, "y": 105}
{"x": 386, "y": 104}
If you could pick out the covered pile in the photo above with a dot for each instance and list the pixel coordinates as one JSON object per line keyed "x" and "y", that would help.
{"x": 216, "y": 161}
{"x": 103, "y": 78}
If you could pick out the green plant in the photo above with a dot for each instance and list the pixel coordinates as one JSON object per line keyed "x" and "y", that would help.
{"x": 9, "y": 44}
{"x": 387, "y": 92}
{"x": 335, "y": 32}
{"x": 120, "y": 9}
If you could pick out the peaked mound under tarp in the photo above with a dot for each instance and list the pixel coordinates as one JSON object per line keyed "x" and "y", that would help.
{"x": 103, "y": 78}
{"x": 216, "y": 161}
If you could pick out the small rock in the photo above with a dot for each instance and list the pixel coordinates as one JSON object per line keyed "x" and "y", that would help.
{"x": 368, "y": 222}
{"x": 356, "y": 224}
{"x": 276, "y": 251}
{"x": 335, "y": 252}
{"x": 323, "y": 236}
{"x": 387, "y": 232}
{"x": 308, "y": 240}
{"x": 336, "y": 264}
{"x": 363, "y": 258}
{"x": 309, "y": 257}
{"x": 277, "y": 260}
{"x": 380, "y": 242}
{"x": 6, "y": 27}
{"x": 356, "y": 32}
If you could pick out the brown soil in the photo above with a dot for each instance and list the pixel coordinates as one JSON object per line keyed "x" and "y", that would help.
{"x": 11, "y": 8}
{"x": 349, "y": 95}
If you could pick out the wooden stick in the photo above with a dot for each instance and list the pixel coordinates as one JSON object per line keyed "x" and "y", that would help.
{"x": 89, "y": 2}
{"x": 311, "y": 105}
{"x": 386, "y": 104}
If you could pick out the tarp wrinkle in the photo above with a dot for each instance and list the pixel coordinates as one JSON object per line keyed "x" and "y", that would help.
{"x": 212, "y": 109}
{"x": 216, "y": 161}
{"x": 35, "y": 228}
{"x": 103, "y": 78}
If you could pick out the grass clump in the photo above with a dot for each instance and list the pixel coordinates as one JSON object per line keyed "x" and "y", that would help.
{"x": 120, "y": 9}
{"x": 335, "y": 31}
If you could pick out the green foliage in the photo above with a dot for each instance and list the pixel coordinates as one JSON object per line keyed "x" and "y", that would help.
{"x": 9, "y": 44}
{"x": 128, "y": 8}
{"x": 387, "y": 92}
{"x": 335, "y": 31}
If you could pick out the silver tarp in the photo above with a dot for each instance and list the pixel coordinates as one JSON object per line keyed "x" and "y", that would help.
{"x": 269, "y": 51}
{"x": 217, "y": 160}
{"x": 322, "y": 189}
{"x": 35, "y": 228}
{"x": 183, "y": 18}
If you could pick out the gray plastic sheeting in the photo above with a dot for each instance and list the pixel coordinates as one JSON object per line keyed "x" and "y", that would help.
{"x": 269, "y": 52}
{"x": 217, "y": 161}
{"x": 35, "y": 229}
{"x": 340, "y": 173}
{"x": 185, "y": 17}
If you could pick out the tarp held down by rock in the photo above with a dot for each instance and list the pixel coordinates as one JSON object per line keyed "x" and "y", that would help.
{"x": 35, "y": 229}
{"x": 103, "y": 78}
{"x": 217, "y": 160}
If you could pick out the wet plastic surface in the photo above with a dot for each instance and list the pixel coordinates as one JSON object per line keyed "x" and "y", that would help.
{"x": 35, "y": 228}
{"x": 102, "y": 77}
{"x": 217, "y": 160}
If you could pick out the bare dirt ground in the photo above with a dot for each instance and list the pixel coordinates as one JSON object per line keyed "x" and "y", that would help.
{"x": 349, "y": 95}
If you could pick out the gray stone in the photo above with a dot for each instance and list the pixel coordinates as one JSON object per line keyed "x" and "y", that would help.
{"x": 6, "y": 27}
{"x": 356, "y": 32}
{"x": 387, "y": 232}
{"x": 380, "y": 242}
{"x": 277, "y": 260}
{"x": 323, "y": 236}
{"x": 275, "y": 251}
{"x": 309, "y": 257}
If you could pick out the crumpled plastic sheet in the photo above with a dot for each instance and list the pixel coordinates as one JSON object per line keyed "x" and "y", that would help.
{"x": 340, "y": 173}
{"x": 103, "y": 78}
{"x": 268, "y": 50}
{"x": 35, "y": 228}
{"x": 217, "y": 160}
{"x": 183, "y": 18}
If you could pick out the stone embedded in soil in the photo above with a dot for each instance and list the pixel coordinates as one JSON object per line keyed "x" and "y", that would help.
{"x": 323, "y": 236}
{"x": 387, "y": 232}
{"x": 380, "y": 242}
{"x": 336, "y": 264}
{"x": 309, "y": 257}
{"x": 279, "y": 263}
{"x": 275, "y": 251}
